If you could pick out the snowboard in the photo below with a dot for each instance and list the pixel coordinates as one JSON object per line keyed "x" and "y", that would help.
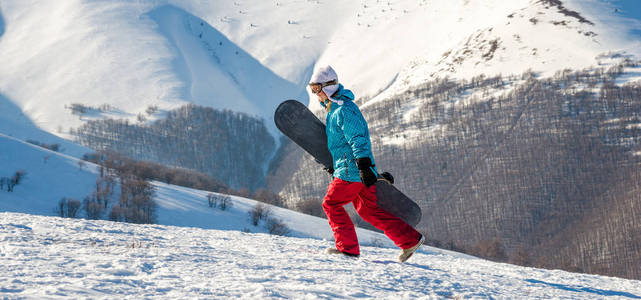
{"x": 298, "y": 123}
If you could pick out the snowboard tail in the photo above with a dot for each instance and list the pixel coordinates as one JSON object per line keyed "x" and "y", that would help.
{"x": 298, "y": 123}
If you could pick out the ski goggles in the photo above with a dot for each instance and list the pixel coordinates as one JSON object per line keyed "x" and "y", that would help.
{"x": 318, "y": 87}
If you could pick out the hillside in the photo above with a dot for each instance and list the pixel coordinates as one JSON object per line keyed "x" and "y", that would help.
{"x": 50, "y": 176}
{"x": 533, "y": 164}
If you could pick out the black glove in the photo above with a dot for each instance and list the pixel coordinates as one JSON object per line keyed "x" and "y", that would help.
{"x": 329, "y": 170}
{"x": 368, "y": 177}
{"x": 387, "y": 177}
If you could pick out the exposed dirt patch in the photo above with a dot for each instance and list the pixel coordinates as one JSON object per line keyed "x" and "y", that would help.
{"x": 562, "y": 9}
{"x": 494, "y": 44}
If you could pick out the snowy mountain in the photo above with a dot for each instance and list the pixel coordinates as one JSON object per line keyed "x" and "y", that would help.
{"x": 544, "y": 36}
{"x": 249, "y": 55}
{"x": 137, "y": 60}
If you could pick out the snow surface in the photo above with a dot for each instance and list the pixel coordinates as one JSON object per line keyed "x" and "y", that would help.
{"x": 50, "y": 257}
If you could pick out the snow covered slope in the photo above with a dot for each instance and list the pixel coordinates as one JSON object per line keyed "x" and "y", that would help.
{"x": 49, "y": 257}
{"x": 250, "y": 55}
{"x": 50, "y": 176}
{"x": 14, "y": 123}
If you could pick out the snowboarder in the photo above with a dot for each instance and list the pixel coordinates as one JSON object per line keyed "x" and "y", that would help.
{"x": 354, "y": 172}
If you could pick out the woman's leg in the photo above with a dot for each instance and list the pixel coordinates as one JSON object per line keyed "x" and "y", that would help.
{"x": 339, "y": 193}
{"x": 403, "y": 235}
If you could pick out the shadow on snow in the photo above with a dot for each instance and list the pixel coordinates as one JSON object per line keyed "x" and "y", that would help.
{"x": 580, "y": 289}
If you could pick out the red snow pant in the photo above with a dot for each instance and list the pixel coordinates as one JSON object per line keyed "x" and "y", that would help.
{"x": 341, "y": 192}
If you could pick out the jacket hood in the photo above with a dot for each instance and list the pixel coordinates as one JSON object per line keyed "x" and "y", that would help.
{"x": 342, "y": 94}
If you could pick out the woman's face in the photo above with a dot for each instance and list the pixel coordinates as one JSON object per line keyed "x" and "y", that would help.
{"x": 317, "y": 89}
{"x": 322, "y": 96}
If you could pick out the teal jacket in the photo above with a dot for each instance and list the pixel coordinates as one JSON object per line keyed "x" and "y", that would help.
{"x": 347, "y": 135}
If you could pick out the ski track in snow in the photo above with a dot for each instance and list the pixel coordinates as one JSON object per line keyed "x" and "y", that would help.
{"x": 50, "y": 257}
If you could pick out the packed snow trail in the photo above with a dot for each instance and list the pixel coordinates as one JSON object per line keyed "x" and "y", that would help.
{"x": 50, "y": 257}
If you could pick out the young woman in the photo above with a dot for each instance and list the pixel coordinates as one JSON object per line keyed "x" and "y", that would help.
{"x": 354, "y": 172}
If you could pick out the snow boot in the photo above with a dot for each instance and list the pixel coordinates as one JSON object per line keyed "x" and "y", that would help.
{"x": 336, "y": 251}
{"x": 407, "y": 253}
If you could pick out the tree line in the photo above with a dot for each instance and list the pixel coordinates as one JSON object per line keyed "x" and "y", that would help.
{"x": 228, "y": 146}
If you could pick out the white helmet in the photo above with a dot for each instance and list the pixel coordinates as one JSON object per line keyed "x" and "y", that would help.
{"x": 327, "y": 78}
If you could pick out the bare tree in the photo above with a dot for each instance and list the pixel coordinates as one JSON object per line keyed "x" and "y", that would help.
{"x": 277, "y": 227}
{"x": 68, "y": 207}
{"x": 135, "y": 204}
{"x": 225, "y": 202}
{"x": 259, "y": 212}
